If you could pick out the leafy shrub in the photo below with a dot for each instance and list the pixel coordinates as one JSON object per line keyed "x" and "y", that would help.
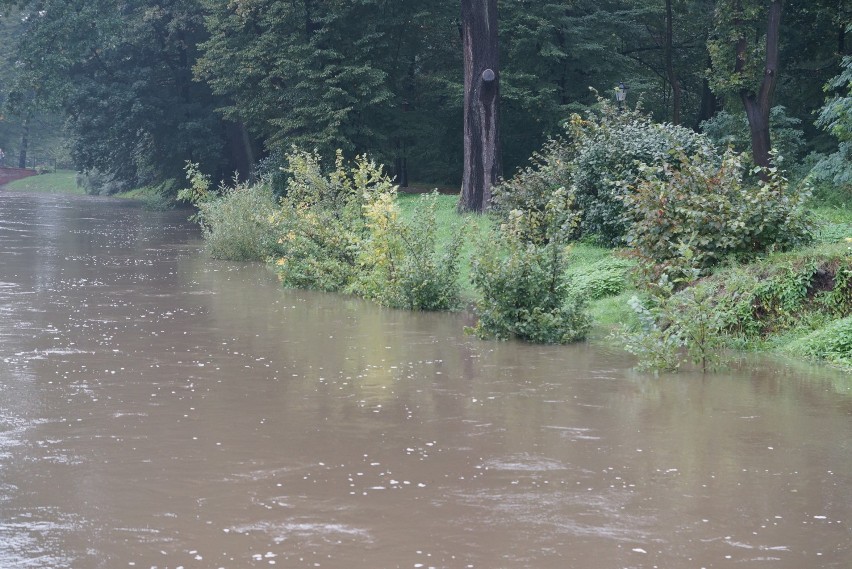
{"x": 160, "y": 197}
{"x": 525, "y": 294}
{"x": 608, "y": 147}
{"x": 522, "y": 279}
{"x": 525, "y": 196}
{"x": 692, "y": 214}
{"x": 402, "y": 266}
{"x": 234, "y": 220}
{"x": 97, "y": 183}
{"x": 336, "y": 231}
{"x": 316, "y": 249}
{"x": 270, "y": 170}
{"x": 677, "y": 327}
{"x": 321, "y": 223}
{"x": 597, "y": 162}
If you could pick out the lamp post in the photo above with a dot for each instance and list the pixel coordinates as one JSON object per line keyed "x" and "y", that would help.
{"x": 620, "y": 94}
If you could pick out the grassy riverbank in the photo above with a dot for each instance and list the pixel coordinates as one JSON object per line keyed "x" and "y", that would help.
{"x": 798, "y": 299}
{"x": 790, "y": 313}
{"x": 59, "y": 182}
{"x": 65, "y": 182}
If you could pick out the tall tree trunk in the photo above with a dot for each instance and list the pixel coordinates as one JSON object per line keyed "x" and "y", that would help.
{"x": 709, "y": 102}
{"x": 25, "y": 141}
{"x": 758, "y": 105}
{"x": 671, "y": 75}
{"x": 481, "y": 101}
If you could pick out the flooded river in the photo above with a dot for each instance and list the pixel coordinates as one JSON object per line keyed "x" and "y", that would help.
{"x": 158, "y": 409}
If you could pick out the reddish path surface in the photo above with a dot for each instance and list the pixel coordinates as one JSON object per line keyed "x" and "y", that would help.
{"x": 11, "y": 174}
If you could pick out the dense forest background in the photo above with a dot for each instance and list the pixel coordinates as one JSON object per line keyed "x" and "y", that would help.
{"x": 130, "y": 91}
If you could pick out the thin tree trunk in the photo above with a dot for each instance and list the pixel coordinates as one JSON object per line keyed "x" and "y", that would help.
{"x": 709, "y": 102}
{"x": 481, "y": 101}
{"x": 673, "y": 79}
{"x": 25, "y": 142}
{"x": 758, "y": 105}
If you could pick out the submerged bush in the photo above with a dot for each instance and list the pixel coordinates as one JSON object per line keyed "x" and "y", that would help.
{"x": 235, "y": 219}
{"x": 676, "y": 328}
{"x": 97, "y": 183}
{"x": 316, "y": 248}
{"x": 342, "y": 231}
{"x": 526, "y": 294}
{"x": 402, "y": 265}
{"x": 521, "y": 276}
{"x": 321, "y": 224}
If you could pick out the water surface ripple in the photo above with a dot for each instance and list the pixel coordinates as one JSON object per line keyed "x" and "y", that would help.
{"x": 159, "y": 409}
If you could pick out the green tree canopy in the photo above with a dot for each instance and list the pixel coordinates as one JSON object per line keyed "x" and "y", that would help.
{"x": 122, "y": 74}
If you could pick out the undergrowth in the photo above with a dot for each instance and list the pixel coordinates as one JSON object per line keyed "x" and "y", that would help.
{"x": 832, "y": 343}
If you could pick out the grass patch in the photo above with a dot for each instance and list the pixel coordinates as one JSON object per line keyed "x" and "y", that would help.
{"x": 156, "y": 198}
{"x": 60, "y": 182}
{"x": 833, "y": 224}
{"x": 142, "y": 194}
{"x": 831, "y": 343}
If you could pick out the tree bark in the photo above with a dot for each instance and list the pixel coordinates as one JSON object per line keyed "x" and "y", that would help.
{"x": 758, "y": 105}
{"x": 25, "y": 141}
{"x": 709, "y": 102}
{"x": 671, "y": 74}
{"x": 481, "y": 102}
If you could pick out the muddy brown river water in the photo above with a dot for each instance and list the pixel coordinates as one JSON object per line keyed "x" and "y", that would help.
{"x": 159, "y": 409}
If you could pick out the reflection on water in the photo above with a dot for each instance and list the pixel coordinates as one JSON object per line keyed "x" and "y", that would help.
{"x": 158, "y": 409}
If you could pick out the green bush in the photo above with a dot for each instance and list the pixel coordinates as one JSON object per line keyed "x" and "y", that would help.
{"x": 401, "y": 263}
{"x": 235, "y": 220}
{"x": 693, "y": 213}
{"x": 270, "y": 170}
{"x": 526, "y": 294}
{"x": 160, "y": 197}
{"x": 525, "y": 197}
{"x": 97, "y": 183}
{"x": 597, "y": 163}
{"x": 677, "y": 327}
{"x": 607, "y": 148}
{"x": 316, "y": 248}
{"x": 521, "y": 276}
{"x": 321, "y": 223}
